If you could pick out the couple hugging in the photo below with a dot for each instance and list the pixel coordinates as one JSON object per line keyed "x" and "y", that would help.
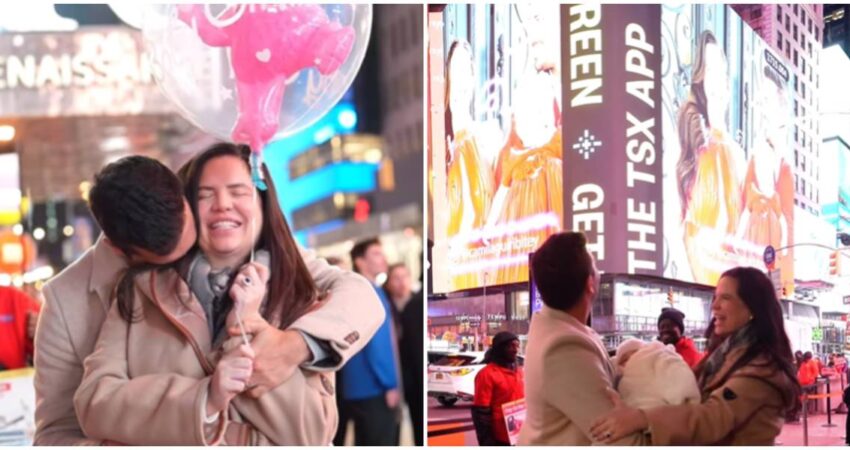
{"x": 195, "y": 319}
{"x": 745, "y": 384}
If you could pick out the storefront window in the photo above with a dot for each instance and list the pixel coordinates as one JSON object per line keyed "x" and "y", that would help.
{"x": 465, "y": 323}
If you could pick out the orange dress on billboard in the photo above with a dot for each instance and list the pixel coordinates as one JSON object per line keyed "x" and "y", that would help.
{"x": 534, "y": 179}
{"x": 467, "y": 160}
{"x": 765, "y": 212}
{"x": 715, "y": 204}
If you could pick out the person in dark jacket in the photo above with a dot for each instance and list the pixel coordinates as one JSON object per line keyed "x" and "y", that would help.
{"x": 499, "y": 382}
{"x": 411, "y": 349}
{"x": 671, "y": 330}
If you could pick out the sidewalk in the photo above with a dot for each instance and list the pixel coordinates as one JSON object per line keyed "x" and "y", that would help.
{"x": 819, "y": 435}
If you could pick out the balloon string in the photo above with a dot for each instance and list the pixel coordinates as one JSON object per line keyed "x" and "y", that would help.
{"x": 253, "y": 224}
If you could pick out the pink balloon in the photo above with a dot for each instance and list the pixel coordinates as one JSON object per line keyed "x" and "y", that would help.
{"x": 268, "y": 45}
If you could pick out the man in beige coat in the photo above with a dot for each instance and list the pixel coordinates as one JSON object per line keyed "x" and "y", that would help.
{"x": 568, "y": 374}
{"x": 76, "y": 301}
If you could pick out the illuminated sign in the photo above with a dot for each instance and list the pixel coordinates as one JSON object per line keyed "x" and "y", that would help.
{"x": 99, "y": 71}
{"x": 496, "y": 149}
{"x": 612, "y": 164}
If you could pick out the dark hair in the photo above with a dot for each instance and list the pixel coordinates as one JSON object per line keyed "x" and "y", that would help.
{"x": 560, "y": 268}
{"x": 138, "y": 202}
{"x": 291, "y": 289}
{"x": 496, "y": 352}
{"x": 390, "y": 270}
{"x": 692, "y": 122}
{"x": 673, "y": 315}
{"x": 462, "y": 44}
{"x": 359, "y": 250}
{"x": 756, "y": 291}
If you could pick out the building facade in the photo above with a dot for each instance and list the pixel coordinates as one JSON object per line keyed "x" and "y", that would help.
{"x": 797, "y": 31}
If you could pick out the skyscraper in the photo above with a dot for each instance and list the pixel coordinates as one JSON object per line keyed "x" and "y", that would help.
{"x": 796, "y": 32}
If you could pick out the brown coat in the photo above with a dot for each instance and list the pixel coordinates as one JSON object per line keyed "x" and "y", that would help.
{"x": 744, "y": 407}
{"x": 76, "y": 303}
{"x": 567, "y": 372}
{"x": 145, "y": 382}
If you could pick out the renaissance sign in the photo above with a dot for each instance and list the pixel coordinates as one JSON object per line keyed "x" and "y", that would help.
{"x": 96, "y": 71}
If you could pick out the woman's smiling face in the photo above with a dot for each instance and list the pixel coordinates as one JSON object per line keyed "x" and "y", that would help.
{"x": 229, "y": 211}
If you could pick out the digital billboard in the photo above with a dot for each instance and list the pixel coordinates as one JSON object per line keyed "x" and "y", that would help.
{"x": 495, "y": 152}
{"x": 727, "y": 121}
{"x": 674, "y": 154}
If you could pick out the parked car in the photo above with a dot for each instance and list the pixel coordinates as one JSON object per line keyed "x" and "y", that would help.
{"x": 451, "y": 375}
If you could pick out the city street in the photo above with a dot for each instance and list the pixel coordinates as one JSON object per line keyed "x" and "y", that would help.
{"x": 819, "y": 434}
{"x": 450, "y": 426}
{"x": 453, "y": 427}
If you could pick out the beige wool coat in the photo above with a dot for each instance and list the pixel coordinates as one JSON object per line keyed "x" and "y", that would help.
{"x": 567, "y": 371}
{"x": 76, "y": 303}
{"x": 740, "y": 407}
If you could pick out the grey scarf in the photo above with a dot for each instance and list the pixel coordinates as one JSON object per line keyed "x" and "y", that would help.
{"x": 211, "y": 288}
{"x": 744, "y": 337}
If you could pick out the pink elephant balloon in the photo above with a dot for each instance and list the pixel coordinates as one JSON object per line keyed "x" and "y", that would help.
{"x": 268, "y": 44}
{"x": 253, "y": 73}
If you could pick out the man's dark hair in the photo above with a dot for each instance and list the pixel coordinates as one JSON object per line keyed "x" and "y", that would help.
{"x": 360, "y": 248}
{"x": 560, "y": 268}
{"x": 138, "y": 201}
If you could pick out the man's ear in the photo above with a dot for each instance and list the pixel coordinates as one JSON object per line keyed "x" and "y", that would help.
{"x": 590, "y": 285}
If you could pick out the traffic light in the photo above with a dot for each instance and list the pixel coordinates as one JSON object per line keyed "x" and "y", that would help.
{"x": 835, "y": 263}
{"x": 784, "y": 292}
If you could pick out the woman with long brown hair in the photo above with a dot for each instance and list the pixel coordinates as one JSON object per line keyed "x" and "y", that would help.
{"x": 748, "y": 381}
{"x": 709, "y": 190}
{"x": 169, "y": 327}
{"x": 469, "y": 178}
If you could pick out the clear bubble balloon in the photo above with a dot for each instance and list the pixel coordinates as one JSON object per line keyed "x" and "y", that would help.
{"x": 253, "y": 73}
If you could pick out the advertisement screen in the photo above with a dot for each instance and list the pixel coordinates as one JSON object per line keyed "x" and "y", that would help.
{"x": 727, "y": 123}
{"x": 495, "y": 165}
{"x": 674, "y": 159}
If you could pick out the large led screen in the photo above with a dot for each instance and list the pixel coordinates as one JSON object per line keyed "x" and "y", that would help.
{"x": 495, "y": 165}
{"x": 727, "y": 126}
{"x": 675, "y": 155}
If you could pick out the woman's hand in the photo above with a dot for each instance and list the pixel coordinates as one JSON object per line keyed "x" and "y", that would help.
{"x": 249, "y": 288}
{"x": 618, "y": 423}
{"x": 230, "y": 378}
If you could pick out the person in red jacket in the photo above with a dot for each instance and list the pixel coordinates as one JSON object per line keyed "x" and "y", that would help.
{"x": 671, "y": 328}
{"x": 18, "y": 313}
{"x": 499, "y": 382}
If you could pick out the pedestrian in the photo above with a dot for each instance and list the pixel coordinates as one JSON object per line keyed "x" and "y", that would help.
{"x": 567, "y": 368}
{"x": 747, "y": 383}
{"x": 371, "y": 393}
{"x": 807, "y": 375}
{"x": 499, "y": 382}
{"x": 399, "y": 286}
{"x": 671, "y": 331}
{"x": 18, "y": 314}
{"x": 846, "y": 398}
{"x": 411, "y": 352}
